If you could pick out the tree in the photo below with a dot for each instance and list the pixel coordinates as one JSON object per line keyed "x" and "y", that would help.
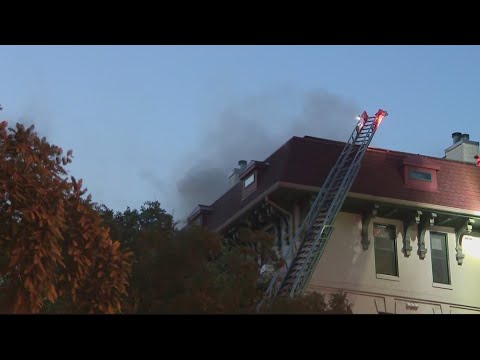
{"x": 235, "y": 273}
{"x": 194, "y": 270}
{"x": 189, "y": 270}
{"x": 149, "y": 233}
{"x": 54, "y": 247}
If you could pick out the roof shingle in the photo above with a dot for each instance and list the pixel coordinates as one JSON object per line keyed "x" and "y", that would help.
{"x": 307, "y": 161}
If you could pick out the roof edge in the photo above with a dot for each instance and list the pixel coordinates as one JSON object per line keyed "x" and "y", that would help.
{"x": 316, "y": 189}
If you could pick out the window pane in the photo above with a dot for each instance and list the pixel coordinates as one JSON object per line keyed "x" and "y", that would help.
{"x": 384, "y": 244}
{"x": 385, "y": 262}
{"x": 440, "y": 271}
{"x": 384, "y": 231}
{"x": 437, "y": 243}
{"x": 420, "y": 175}
{"x": 385, "y": 250}
{"x": 250, "y": 180}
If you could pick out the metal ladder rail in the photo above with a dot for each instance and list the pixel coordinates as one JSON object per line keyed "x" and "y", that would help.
{"x": 343, "y": 164}
{"x": 310, "y": 219}
{"x": 298, "y": 239}
{"x": 318, "y": 246}
{"x": 311, "y": 216}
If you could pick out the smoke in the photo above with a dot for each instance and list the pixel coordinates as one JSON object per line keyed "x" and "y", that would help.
{"x": 157, "y": 185}
{"x": 34, "y": 113}
{"x": 327, "y": 116}
{"x": 155, "y": 182}
{"x": 203, "y": 184}
{"x": 252, "y": 130}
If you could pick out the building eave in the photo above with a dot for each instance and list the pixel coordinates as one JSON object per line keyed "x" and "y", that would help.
{"x": 380, "y": 199}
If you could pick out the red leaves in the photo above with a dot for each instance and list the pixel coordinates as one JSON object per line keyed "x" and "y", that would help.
{"x": 100, "y": 270}
{"x": 52, "y": 293}
{"x": 53, "y": 238}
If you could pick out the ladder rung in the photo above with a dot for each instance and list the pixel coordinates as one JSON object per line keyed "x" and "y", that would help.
{"x": 307, "y": 251}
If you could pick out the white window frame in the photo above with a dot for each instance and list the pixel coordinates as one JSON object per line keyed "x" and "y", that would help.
{"x": 249, "y": 180}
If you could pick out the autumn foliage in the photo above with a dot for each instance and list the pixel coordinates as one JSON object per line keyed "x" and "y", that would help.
{"x": 62, "y": 253}
{"x": 54, "y": 247}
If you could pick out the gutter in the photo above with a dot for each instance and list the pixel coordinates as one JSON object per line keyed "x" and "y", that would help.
{"x": 316, "y": 189}
{"x": 247, "y": 207}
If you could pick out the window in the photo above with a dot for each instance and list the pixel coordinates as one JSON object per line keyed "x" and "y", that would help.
{"x": 249, "y": 180}
{"x": 420, "y": 175}
{"x": 385, "y": 249}
{"x": 439, "y": 247}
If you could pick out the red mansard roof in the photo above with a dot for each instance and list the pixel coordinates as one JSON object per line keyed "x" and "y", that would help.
{"x": 307, "y": 161}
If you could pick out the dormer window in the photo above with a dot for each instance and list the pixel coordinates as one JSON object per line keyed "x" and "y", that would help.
{"x": 249, "y": 183}
{"x": 199, "y": 215}
{"x": 249, "y": 180}
{"x": 420, "y": 175}
{"x": 251, "y": 176}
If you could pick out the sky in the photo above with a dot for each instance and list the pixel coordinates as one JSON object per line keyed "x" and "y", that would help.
{"x": 168, "y": 123}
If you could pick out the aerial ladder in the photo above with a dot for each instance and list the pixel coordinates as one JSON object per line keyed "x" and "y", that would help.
{"x": 305, "y": 251}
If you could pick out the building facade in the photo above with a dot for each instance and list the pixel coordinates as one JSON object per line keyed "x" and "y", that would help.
{"x": 407, "y": 239}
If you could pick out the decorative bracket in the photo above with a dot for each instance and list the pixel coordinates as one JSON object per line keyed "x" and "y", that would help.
{"x": 232, "y": 234}
{"x": 261, "y": 215}
{"x": 411, "y": 220}
{"x": 460, "y": 232}
{"x": 366, "y": 218}
{"x": 427, "y": 221}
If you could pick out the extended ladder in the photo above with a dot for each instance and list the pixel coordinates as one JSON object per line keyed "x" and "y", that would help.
{"x": 311, "y": 239}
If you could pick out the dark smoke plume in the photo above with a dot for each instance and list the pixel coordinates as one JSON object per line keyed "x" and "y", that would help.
{"x": 252, "y": 130}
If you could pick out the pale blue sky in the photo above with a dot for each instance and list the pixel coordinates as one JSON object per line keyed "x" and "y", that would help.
{"x": 138, "y": 116}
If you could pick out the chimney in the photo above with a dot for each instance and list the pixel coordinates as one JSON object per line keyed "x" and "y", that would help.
{"x": 242, "y": 164}
{"x": 463, "y": 149}
{"x": 234, "y": 176}
{"x": 456, "y": 136}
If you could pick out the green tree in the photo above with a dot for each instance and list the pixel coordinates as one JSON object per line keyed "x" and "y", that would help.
{"x": 148, "y": 233}
{"x": 194, "y": 270}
